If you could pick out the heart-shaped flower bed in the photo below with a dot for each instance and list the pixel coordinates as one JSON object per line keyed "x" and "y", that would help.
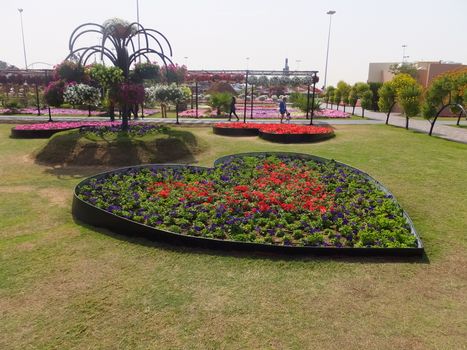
{"x": 284, "y": 133}
{"x": 273, "y": 202}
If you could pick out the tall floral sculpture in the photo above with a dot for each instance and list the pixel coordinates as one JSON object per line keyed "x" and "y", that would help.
{"x": 123, "y": 44}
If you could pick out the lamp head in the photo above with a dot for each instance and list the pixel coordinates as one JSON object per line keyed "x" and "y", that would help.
{"x": 331, "y": 12}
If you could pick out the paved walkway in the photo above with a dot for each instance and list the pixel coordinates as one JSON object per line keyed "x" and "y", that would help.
{"x": 443, "y": 129}
{"x": 201, "y": 121}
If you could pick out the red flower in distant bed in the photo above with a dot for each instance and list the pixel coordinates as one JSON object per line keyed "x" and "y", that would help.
{"x": 284, "y": 129}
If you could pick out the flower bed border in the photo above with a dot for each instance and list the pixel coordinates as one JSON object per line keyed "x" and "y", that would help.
{"x": 295, "y": 138}
{"x": 36, "y": 134}
{"x": 235, "y": 131}
{"x": 92, "y": 215}
{"x": 279, "y": 138}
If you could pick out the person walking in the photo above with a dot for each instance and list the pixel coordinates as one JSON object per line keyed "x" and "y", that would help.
{"x": 282, "y": 108}
{"x": 232, "y": 109}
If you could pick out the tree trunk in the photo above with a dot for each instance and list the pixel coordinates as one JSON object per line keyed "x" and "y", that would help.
{"x": 125, "y": 115}
{"x": 353, "y": 109}
{"x": 112, "y": 112}
{"x": 363, "y": 112}
{"x": 389, "y": 113}
{"x": 37, "y": 100}
{"x": 406, "y": 122}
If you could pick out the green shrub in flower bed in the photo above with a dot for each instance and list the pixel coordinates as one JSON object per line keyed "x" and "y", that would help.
{"x": 109, "y": 145}
{"x": 266, "y": 199}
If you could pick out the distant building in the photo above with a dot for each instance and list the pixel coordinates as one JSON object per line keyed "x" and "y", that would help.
{"x": 427, "y": 71}
{"x": 286, "y": 69}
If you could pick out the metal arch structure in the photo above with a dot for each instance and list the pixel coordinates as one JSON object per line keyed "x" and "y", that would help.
{"x": 120, "y": 49}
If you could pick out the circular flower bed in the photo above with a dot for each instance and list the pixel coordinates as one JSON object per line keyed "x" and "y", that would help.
{"x": 285, "y": 133}
{"x": 284, "y": 201}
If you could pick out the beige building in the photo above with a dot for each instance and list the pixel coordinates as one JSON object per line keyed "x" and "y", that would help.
{"x": 427, "y": 71}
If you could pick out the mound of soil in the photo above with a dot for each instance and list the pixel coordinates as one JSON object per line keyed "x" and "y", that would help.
{"x": 74, "y": 148}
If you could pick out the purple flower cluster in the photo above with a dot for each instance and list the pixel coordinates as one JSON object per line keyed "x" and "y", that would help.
{"x": 134, "y": 129}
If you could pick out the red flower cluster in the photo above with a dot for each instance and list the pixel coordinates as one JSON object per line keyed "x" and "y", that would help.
{"x": 278, "y": 128}
{"x": 294, "y": 129}
{"x": 275, "y": 187}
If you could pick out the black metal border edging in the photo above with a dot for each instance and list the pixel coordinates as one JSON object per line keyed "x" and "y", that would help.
{"x": 235, "y": 131}
{"x": 295, "y": 138}
{"x": 92, "y": 215}
{"x": 35, "y": 134}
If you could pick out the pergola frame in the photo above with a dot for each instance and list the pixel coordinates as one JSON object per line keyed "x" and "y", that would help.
{"x": 313, "y": 75}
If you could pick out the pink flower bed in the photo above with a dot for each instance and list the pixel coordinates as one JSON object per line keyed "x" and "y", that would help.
{"x": 62, "y": 125}
{"x": 69, "y": 111}
{"x": 149, "y": 111}
{"x": 57, "y": 111}
{"x": 332, "y": 113}
{"x": 267, "y": 112}
{"x": 191, "y": 113}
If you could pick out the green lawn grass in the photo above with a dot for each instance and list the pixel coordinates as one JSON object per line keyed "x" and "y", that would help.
{"x": 66, "y": 285}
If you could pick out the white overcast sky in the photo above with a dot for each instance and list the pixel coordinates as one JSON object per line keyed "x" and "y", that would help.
{"x": 219, "y": 34}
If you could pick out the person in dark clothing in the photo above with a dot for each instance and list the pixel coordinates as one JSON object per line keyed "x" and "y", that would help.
{"x": 282, "y": 108}
{"x": 232, "y": 109}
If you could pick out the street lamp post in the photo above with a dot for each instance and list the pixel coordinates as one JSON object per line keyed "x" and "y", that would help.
{"x": 404, "y": 57}
{"x": 246, "y": 87}
{"x": 330, "y": 13}
{"x": 22, "y": 33}
{"x": 137, "y": 20}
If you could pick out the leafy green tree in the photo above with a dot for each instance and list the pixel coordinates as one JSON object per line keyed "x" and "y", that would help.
{"x": 109, "y": 79}
{"x": 409, "y": 99}
{"x": 404, "y": 68}
{"x": 447, "y": 90}
{"x": 337, "y": 98}
{"x": 300, "y": 101}
{"x": 344, "y": 90}
{"x": 366, "y": 100}
{"x": 221, "y": 101}
{"x": 353, "y": 98}
{"x": 402, "y": 80}
{"x": 387, "y": 98}
{"x": 329, "y": 95}
{"x": 374, "y": 87}
{"x": 356, "y": 93}
{"x": 165, "y": 94}
{"x": 263, "y": 81}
